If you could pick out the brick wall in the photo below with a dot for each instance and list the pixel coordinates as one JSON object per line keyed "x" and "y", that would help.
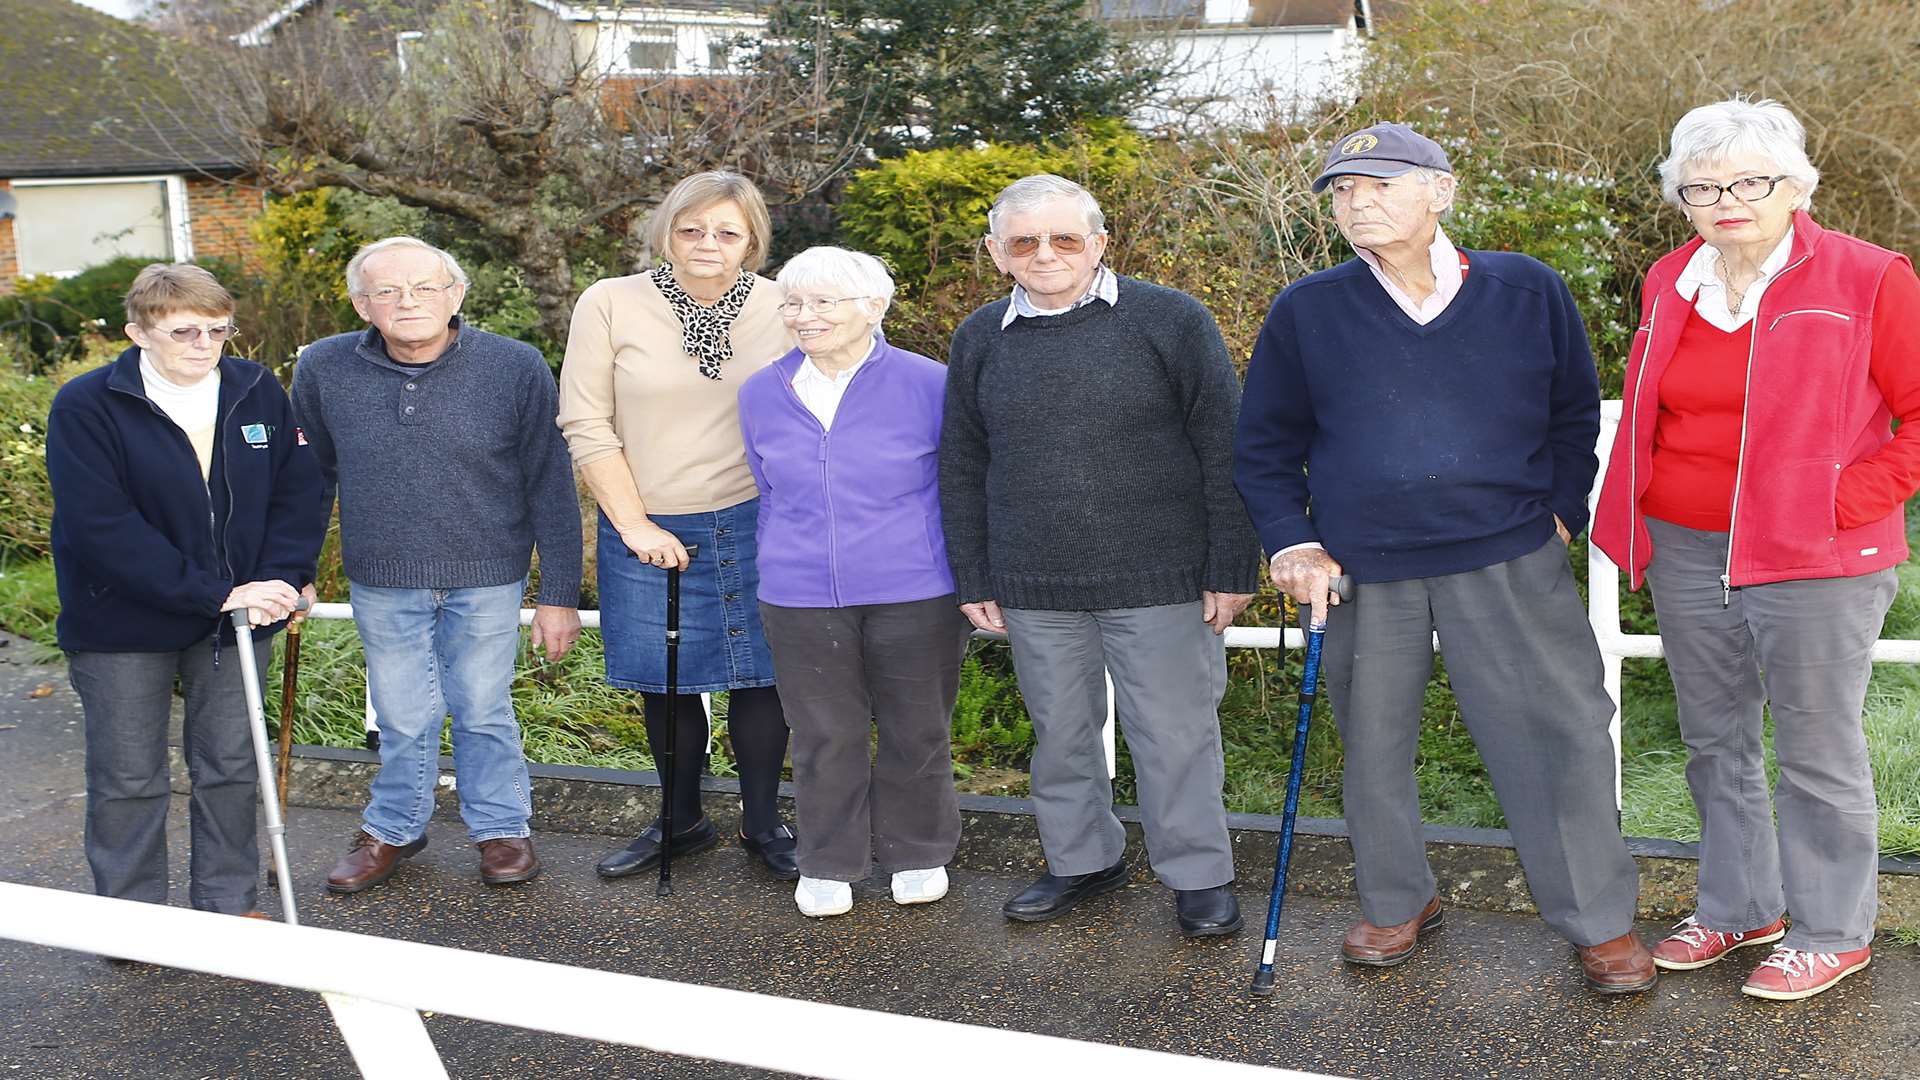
{"x": 220, "y": 213}
{"x": 9, "y": 252}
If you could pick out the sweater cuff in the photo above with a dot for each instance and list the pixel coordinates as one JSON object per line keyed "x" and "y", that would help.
{"x": 971, "y": 584}
{"x": 1573, "y": 516}
{"x": 1236, "y": 571}
{"x": 1280, "y": 534}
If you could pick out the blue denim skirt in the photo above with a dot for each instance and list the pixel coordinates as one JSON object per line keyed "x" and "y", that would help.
{"x": 722, "y": 646}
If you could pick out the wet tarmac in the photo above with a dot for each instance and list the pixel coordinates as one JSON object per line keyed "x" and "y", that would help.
{"x": 1492, "y": 995}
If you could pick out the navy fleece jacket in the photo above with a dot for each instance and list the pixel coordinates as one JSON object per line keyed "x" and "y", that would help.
{"x": 144, "y": 552}
{"x": 1415, "y": 451}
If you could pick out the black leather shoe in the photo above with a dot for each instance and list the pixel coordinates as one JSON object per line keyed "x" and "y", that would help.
{"x": 644, "y": 852}
{"x": 777, "y": 847}
{"x": 1207, "y": 912}
{"x": 1052, "y": 895}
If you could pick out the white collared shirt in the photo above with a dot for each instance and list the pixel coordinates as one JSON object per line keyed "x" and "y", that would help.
{"x": 1700, "y": 285}
{"x": 1447, "y": 279}
{"x": 1106, "y": 286}
{"x": 821, "y": 393}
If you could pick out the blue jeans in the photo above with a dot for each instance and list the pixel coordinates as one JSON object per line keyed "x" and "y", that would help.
{"x": 428, "y": 652}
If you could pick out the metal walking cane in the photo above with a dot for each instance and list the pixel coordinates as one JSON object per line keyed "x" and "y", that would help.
{"x": 665, "y": 887}
{"x": 1341, "y": 586}
{"x": 263, "y": 760}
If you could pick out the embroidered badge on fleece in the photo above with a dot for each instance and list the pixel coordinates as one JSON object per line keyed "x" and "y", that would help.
{"x": 256, "y": 435}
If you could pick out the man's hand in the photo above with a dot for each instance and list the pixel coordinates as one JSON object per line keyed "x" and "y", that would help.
{"x": 308, "y": 594}
{"x": 556, "y": 628}
{"x": 1219, "y": 609}
{"x": 1561, "y": 528}
{"x": 985, "y": 615}
{"x": 1306, "y": 574}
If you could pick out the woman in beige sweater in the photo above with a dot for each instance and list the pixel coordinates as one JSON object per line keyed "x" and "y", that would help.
{"x": 647, "y": 402}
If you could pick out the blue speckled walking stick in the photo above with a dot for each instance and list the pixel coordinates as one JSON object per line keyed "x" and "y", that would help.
{"x": 1341, "y": 586}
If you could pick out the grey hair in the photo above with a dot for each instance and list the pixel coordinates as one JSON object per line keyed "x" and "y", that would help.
{"x": 356, "y": 268}
{"x": 1738, "y": 127}
{"x": 832, "y": 269}
{"x": 1031, "y": 192}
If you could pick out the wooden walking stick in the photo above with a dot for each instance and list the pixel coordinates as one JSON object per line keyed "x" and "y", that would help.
{"x": 289, "y": 674}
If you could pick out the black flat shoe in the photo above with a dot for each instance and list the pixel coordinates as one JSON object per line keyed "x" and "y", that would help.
{"x": 644, "y": 852}
{"x": 778, "y": 848}
{"x": 1051, "y": 895}
{"x": 1207, "y": 912}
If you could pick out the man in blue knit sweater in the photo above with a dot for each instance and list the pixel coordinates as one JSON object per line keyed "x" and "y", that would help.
{"x": 442, "y": 442}
{"x": 1423, "y": 418}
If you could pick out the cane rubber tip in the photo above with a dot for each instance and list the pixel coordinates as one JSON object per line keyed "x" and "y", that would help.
{"x": 1262, "y": 984}
{"x": 373, "y": 740}
{"x": 665, "y": 888}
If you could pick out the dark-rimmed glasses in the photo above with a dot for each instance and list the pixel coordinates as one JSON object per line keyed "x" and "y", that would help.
{"x": 819, "y": 305}
{"x": 1062, "y": 243}
{"x": 1746, "y": 189}
{"x": 187, "y": 334}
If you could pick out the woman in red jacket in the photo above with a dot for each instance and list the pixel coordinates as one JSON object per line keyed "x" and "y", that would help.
{"x": 1757, "y": 484}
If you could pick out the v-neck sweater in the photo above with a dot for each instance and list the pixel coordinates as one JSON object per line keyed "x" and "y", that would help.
{"x": 1415, "y": 451}
{"x": 1086, "y": 457}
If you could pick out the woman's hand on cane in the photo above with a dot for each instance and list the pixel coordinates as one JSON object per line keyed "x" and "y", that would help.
{"x": 654, "y": 545}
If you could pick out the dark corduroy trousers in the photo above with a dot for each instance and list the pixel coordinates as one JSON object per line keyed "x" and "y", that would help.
{"x": 844, "y": 673}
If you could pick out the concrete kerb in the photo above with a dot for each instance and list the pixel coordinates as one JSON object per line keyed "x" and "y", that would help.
{"x": 1476, "y": 868}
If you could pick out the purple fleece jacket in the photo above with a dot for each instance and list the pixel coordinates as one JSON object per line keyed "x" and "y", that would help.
{"x": 849, "y": 516}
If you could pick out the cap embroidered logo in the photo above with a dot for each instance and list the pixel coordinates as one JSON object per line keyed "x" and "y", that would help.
{"x": 1359, "y": 144}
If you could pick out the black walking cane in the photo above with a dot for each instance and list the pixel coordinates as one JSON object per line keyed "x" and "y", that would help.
{"x": 1342, "y": 587}
{"x": 665, "y": 887}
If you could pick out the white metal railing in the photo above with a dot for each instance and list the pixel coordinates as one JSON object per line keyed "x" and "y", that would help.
{"x": 377, "y": 987}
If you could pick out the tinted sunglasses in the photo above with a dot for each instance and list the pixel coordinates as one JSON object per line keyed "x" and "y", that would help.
{"x": 1062, "y": 243}
{"x": 184, "y": 334}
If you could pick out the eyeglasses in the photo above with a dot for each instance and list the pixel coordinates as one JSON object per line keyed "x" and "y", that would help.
{"x": 1746, "y": 189}
{"x": 693, "y": 234}
{"x": 216, "y": 334}
{"x": 1062, "y": 243}
{"x": 819, "y": 305}
{"x": 426, "y": 294}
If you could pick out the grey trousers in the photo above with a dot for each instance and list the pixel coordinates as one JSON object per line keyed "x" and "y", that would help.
{"x": 843, "y": 673}
{"x": 1527, "y": 673}
{"x": 1169, "y": 672}
{"x": 1802, "y": 647}
{"x": 127, "y": 699}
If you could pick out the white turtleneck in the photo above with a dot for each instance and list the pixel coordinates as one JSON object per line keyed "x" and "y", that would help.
{"x": 194, "y": 409}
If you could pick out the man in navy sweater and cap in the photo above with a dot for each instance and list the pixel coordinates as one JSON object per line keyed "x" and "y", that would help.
{"x": 1423, "y": 418}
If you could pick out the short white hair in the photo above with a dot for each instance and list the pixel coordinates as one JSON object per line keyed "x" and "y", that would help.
{"x": 1032, "y": 192}
{"x": 828, "y": 270}
{"x": 356, "y": 268}
{"x": 1737, "y": 127}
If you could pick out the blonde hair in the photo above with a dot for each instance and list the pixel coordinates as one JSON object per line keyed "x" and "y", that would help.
{"x": 163, "y": 288}
{"x": 701, "y": 190}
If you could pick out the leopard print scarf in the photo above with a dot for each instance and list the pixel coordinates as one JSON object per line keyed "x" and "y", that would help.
{"x": 704, "y": 331}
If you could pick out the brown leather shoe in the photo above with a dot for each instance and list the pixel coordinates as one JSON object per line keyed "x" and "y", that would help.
{"x": 1385, "y": 946}
{"x": 508, "y": 860}
{"x": 368, "y": 862}
{"x": 1620, "y": 966}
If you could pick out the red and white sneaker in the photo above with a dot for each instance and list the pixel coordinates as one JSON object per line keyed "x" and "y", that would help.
{"x": 1789, "y": 974}
{"x": 1693, "y": 946}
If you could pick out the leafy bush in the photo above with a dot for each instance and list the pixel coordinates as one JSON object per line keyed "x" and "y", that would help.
{"x": 26, "y": 502}
{"x": 48, "y": 321}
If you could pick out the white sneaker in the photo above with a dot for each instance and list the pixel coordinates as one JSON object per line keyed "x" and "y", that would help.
{"x": 819, "y": 898}
{"x": 919, "y": 886}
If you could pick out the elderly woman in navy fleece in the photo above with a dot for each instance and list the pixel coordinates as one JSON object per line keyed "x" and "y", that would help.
{"x": 856, "y": 596}
{"x": 1423, "y": 417}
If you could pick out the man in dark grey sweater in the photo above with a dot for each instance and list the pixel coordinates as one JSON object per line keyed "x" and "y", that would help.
{"x": 442, "y": 443}
{"x": 1089, "y": 509}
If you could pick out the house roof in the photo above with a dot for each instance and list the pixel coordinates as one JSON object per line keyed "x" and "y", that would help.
{"x": 89, "y": 95}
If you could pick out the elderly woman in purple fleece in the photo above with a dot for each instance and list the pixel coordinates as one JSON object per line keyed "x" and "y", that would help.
{"x": 856, "y": 596}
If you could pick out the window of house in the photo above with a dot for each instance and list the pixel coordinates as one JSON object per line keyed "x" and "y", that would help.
{"x": 650, "y": 54}
{"x": 65, "y": 226}
{"x": 719, "y": 55}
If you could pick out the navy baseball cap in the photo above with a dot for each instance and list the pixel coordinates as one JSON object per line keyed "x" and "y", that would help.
{"x": 1381, "y": 150}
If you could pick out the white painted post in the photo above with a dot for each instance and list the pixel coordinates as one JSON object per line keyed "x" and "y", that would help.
{"x": 1106, "y": 733}
{"x": 388, "y": 1042}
